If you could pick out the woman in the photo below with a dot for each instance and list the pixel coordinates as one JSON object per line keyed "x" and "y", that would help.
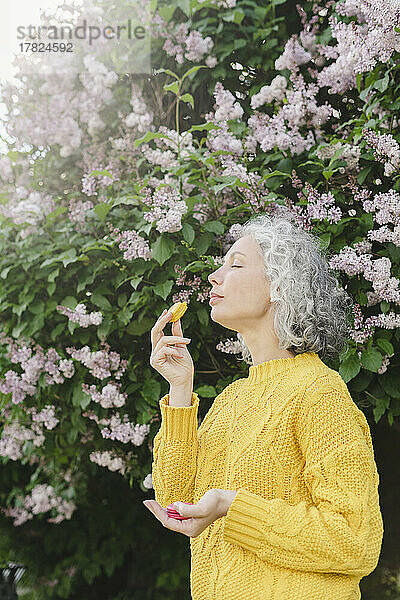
{"x": 281, "y": 471}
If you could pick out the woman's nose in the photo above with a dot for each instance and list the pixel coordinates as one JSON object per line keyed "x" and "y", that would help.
{"x": 211, "y": 278}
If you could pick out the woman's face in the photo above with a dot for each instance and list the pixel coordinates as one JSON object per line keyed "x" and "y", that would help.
{"x": 242, "y": 282}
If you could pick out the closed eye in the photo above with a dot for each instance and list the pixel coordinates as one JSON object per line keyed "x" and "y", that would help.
{"x": 236, "y": 266}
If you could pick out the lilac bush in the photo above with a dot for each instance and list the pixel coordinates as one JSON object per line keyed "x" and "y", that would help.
{"x": 131, "y": 190}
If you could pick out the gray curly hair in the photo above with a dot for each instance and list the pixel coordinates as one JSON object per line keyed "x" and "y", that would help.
{"x": 312, "y": 313}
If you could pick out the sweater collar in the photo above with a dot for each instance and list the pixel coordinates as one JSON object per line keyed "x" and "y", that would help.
{"x": 275, "y": 366}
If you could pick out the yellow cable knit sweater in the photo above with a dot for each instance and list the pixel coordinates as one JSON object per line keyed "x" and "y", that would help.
{"x": 306, "y": 522}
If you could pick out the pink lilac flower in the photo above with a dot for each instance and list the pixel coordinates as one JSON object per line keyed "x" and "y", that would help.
{"x": 229, "y": 346}
{"x": 109, "y": 396}
{"x": 268, "y": 93}
{"x": 99, "y": 362}
{"x": 15, "y": 435}
{"x": 166, "y": 209}
{"x": 133, "y": 244}
{"x": 108, "y": 459}
{"x": 387, "y": 150}
{"x": 78, "y": 315}
{"x": 42, "y": 498}
{"x": 33, "y": 365}
{"x": 124, "y": 431}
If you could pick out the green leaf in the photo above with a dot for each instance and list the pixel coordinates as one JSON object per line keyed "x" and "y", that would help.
{"x": 4, "y": 272}
{"x": 172, "y": 87}
{"x": 385, "y": 345}
{"x": 359, "y": 80}
{"x": 381, "y": 405}
{"x": 371, "y": 359}
{"x": 385, "y": 306}
{"x": 327, "y": 174}
{"x": 215, "y": 227}
{"x": 203, "y": 242}
{"x": 193, "y": 70}
{"x": 325, "y": 239}
{"x": 202, "y": 315}
{"x": 390, "y": 381}
{"x": 69, "y": 302}
{"x": 382, "y": 84}
{"x": 102, "y": 210}
{"x": 163, "y": 289}
{"x": 79, "y": 396}
{"x": 349, "y": 367}
{"x": 53, "y": 275}
{"x": 103, "y": 172}
{"x": 162, "y": 249}
{"x": 151, "y": 390}
{"x": 134, "y": 282}
{"x": 207, "y": 391}
{"x": 188, "y": 98}
{"x": 363, "y": 174}
{"x": 188, "y": 233}
{"x": 100, "y": 301}
{"x": 166, "y": 12}
{"x": 136, "y": 327}
{"x": 166, "y": 71}
{"x": 72, "y": 326}
{"x": 205, "y": 126}
{"x": 104, "y": 328}
{"x": 51, "y": 288}
{"x": 147, "y": 137}
{"x": 85, "y": 400}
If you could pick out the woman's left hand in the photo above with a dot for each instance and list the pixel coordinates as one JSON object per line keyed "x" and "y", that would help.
{"x": 212, "y": 506}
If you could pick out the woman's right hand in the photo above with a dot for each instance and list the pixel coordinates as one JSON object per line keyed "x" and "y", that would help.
{"x": 169, "y": 355}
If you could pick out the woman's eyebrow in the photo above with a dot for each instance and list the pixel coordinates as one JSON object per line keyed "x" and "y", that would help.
{"x": 234, "y": 252}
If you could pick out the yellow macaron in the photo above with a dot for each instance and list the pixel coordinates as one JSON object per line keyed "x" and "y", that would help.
{"x": 178, "y": 310}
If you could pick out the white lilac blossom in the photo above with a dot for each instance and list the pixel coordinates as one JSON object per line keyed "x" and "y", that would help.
{"x": 148, "y": 482}
{"x": 42, "y": 498}
{"x": 227, "y": 108}
{"x": 109, "y": 396}
{"x": 14, "y": 437}
{"x": 166, "y": 208}
{"x": 376, "y": 271}
{"x": 108, "y": 459}
{"x": 77, "y": 209}
{"x": 78, "y": 315}
{"x": 6, "y": 172}
{"x": 270, "y": 93}
{"x": 386, "y": 149}
{"x": 284, "y": 128}
{"x": 45, "y": 416}
{"x": 359, "y": 45}
{"x": 166, "y": 154}
{"x": 33, "y": 365}
{"x": 193, "y": 284}
{"x": 141, "y": 118}
{"x": 229, "y": 346}
{"x": 133, "y": 244}
{"x": 293, "y": 56}
{"x": 124, "y": 431}
{"x": 100, "y": 363}
{"x": 91, "y": 183}
{"x": 350, "y": 154}
{"x": 31, "y": 209}
{"x": 257, "y": 192}
{"x": 181, "y": 43}
{"x": 222, "y": 139}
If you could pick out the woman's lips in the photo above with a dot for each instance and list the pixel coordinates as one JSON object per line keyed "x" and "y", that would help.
{"x": 215, "y": 299}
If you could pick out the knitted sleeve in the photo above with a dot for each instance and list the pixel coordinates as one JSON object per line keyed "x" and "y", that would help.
{"x": 175, "y": 452}
{"x": 341, "y": 530}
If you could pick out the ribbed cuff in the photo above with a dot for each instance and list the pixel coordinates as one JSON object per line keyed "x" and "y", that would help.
{"x": 179, "y": 422}
{"x": 245, "y": 519}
